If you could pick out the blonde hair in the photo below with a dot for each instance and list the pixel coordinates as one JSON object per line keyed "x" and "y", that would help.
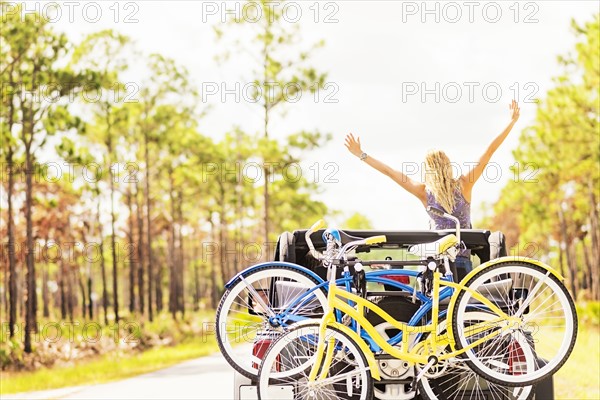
{"x": 439, "y": 179}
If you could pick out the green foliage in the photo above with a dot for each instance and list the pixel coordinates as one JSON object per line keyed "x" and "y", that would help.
{"x": 588, "y": 313}
{"x": 35, "y": 90}
{"x": 553, "y": 201}
{"x": 357, "y": 221}
{"x": 141, "y": 173}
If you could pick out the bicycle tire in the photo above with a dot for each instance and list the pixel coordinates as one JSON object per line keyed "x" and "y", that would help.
{"x": 241, "y": 363}
{"x": 511, "y": 272}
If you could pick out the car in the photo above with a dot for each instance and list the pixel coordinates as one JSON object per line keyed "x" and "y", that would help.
{"x": 292, "y": 247}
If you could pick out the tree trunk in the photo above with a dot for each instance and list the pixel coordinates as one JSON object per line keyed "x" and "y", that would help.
{"x": 12, "y": 278}
{"x": 131, "y": 250}
{"x": 81, "y": 283}
{"x": 197, "y": 263}
{"x": 140, "y": 248}
{"x": 196, "y": 287}
{"x": 113, "y": 249}
{"x": 30, "y": 305}
{"x": 172, "y": 277}
{"x": 87, "y": 279}
{"x": 225, "y": 271}
{"x": 595, "y": 245}
{"x": 70, "y": 294}
{"x": 215, "y": 267}
{"x": 90, "y": 300}
{"x": 171, "y": 251}
{"x": 574, "y": 267}
{"x": 588, "y": 276}
{"x": 572, "y": 263}
{"x": 102, "y": 266}
{"x": 561, "y": 259}
{"x": 12, "y": 262}
{"x": 111, "y": 175}
{"x": 239, "y": 227}
{"x": 266, "y": 215}
{"x": 181, "y": 258}
{"x": 148, "y": 226}
{"x": 568, "y": 256}
{"x": 45, "y": 297}
{"x": 158, "y": 287}
{"x": 4, "y": 301}
{"x": 21, "y": 290}
{"x": 63, "y": 291}
{"x": 266, "y": 131}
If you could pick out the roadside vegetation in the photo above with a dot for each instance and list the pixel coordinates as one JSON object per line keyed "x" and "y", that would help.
{"x": 72, "y": 356}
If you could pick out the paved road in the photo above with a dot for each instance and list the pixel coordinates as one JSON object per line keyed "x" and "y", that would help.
{"x": 206, "y": 378}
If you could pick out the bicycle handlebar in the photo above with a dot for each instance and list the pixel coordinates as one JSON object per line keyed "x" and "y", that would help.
{"x": 315, "y": 227}
{"x": 319, "y": 256}
{"x": 376, "y": 239}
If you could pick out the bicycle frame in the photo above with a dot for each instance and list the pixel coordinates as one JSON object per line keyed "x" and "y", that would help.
{"x": 338, "y": 299}
{"x": 378, "y": 277}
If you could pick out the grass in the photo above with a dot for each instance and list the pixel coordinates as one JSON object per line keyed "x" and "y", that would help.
{"x": 106, "y": 368}
{"x": 579, "y": 378}
{"x": 115, "y": 352}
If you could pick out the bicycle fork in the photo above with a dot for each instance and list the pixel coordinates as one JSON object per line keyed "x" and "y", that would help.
{"x": 320, "y": 364}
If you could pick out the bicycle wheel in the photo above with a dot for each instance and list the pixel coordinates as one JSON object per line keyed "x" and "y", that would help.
{"x": 458, "y": 381}
{"x": 287, "y": 365}
{"x": 541, "y": 311}
{"x": 245, "y": 313}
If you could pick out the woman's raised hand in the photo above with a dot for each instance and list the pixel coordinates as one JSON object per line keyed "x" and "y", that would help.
{"x": 515, "y": 110}
{"x": 353, "y": 145}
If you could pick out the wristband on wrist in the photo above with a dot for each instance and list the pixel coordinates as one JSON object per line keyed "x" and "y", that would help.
{"x": 363, "y": 156}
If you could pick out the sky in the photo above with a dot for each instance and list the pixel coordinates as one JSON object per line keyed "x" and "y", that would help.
{"x": 406, "y": 77}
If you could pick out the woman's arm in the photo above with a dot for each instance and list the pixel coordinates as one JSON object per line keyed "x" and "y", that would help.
{"x": 469, "y": 179}
{"x": 415, "y": 188}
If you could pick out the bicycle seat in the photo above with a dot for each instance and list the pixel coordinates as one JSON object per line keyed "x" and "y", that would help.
{"x": 433, "y": 249}
{"x": 348, "y": 238}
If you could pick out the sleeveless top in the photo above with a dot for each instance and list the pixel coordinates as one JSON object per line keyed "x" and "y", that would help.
{"x": 462, "y": 211}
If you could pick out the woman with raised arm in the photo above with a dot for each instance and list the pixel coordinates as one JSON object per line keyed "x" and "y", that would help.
{"x": 441, "y": 189}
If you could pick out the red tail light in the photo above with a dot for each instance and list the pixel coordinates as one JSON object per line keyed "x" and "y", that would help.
{"x": 261, "y": 345}
{"x": 516, "y": 359}
{"x": 259, "y": 349}
{"x": 398, "y": 278}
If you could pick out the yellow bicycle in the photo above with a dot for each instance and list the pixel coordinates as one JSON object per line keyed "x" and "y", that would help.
{"x": 502, "y": 319}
